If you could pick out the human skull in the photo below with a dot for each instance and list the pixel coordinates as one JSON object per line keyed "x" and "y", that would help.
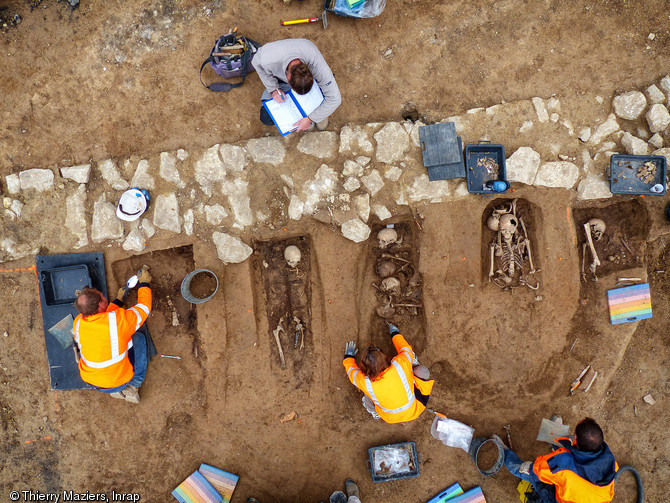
{"x": 387, "y": 236}
{"x": 391, "y": 285}
{"x": 597, "y": 228}
{"x": 493, "y": 222}
{"x": 292, "y": 255}
{"x": 386, "y": 310}
{"x": 508, "y": 225}
{"x": 386, "y": 269}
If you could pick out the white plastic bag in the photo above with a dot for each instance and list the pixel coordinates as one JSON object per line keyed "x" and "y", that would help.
{"x": 452, "y": 433}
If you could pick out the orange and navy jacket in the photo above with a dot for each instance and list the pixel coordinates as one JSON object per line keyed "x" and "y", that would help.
{"x": 398, "y": 395}
{"x": 579, "y": 476}
{"x": 105, "y": 338}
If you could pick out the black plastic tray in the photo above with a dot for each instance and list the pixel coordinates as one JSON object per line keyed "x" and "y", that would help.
{"x": 623, "y": 171}
{"x": 61, "y": 283}
{"x": 477, "y": 175}
{"x": 416, "y": 460}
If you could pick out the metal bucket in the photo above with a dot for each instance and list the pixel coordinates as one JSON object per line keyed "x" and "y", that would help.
{"x": 186, "y": 287}
{"x": 476, "y": 444}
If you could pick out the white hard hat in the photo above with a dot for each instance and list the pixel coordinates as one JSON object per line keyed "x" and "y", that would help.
{"x": 131, "y": 205}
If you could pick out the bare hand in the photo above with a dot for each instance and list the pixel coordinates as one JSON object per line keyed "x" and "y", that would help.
{"x": 278, "y": 96}
{"x": 303, "y": 124}
{"x": 145, "y": 277}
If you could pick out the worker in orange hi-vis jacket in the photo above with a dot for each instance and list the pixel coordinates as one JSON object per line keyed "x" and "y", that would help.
{"x": 113, "y": 355}
{"x": 396, "y": 389}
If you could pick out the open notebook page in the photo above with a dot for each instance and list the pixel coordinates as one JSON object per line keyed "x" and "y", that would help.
{"x": 284, "y": 114}
{"x": 310, "y": 101}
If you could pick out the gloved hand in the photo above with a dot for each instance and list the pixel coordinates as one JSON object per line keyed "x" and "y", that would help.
{"x": 145, "y": 277}
{"x": 121, "y": 293}
{"x": 350, "y": 350}
{"x": 393, "y": 330}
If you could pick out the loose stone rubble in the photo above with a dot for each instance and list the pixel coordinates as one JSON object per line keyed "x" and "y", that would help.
{"x": 351, "y": 179}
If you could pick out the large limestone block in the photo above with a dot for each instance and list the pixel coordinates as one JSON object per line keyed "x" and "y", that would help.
{"x": 75, "y": 220}
{"x": 355, "y": 230}
{"x": 214, "y": 214}
{"x": 320, "y": 144}
{"x": 655, "y": 95}
{"x": 605, "y": 129}
{"x": 166, "y": 213}
{"x": 79, "y": 174}
{"x": 557, "y": 174}
{"x": 269, "y": 150}
{"x": 629, "y": 105}
{"x": 135, "y": 241}
{"x": 168, "y": 169}
{"x": 594, "y": 187}
{"x": 658, "y": 119}
{"x": 238, "y": 197}
{"x": 355, "y": 139}
{"x": 392, "y": 143}
{"x": 230, "y": 249}
{"x": 424, "y": 190}
{"x": 540, "y": 109}
{"x": 37, "y": 179}
{"x": 234, "y": 158}
{"x": 633, "y": 145}
{"x": 209, "y": 169}
{"x": 522, "y": 165}
{"x": 105, "y": 225}
{"x": 13, "y": 183}
{"x": 665, "y": 152}
{"x": 142, "y": 178}
{"x": 373, "y": 182}
{"x": 110, "y": 173}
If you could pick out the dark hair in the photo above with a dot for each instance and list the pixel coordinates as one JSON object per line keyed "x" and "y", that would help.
{"x": 589, "y": 435}
{"x": 301, "y": 78}
{"x": 87, "y": 301}
{"x": 374, "y": 362}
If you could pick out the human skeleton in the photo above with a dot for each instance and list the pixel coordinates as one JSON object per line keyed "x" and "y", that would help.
{"x": 511, "y": 247}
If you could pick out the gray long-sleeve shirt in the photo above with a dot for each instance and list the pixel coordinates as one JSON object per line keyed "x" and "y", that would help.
{"x": 271, "y": 62}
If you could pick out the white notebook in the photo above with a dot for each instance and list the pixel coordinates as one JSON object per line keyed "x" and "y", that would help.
{"x": 295, "y": 107}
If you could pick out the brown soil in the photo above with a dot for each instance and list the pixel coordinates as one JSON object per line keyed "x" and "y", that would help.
{"x": 114, "y": 79}
{"x": 202, "y": 285}
{"x": 487, "y": 455}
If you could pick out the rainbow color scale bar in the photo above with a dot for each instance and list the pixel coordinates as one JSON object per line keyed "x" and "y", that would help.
{"x": 629, "y": 304}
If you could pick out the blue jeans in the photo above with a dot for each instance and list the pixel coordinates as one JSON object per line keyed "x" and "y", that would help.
{"x": 513, "y": 463}
{"x": 139, "y": 360}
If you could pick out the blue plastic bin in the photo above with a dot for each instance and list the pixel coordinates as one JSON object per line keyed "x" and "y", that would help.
{"x": 477, "y": 157}
{"x": 623, "y": 171}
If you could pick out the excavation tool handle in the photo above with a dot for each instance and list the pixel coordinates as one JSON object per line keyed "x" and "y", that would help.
{"x": 301, "y": 21}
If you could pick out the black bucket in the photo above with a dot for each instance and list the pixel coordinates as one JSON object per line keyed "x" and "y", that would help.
{"x": 477, "y": 444}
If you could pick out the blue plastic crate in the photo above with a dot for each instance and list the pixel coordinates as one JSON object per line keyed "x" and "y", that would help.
{"x": 479, "y": 159}
{"x": 623, "y": 174}
{"x": 414, "y": 461}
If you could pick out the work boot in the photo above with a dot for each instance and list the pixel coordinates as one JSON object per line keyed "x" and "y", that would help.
{"x": 322, "y": 125}
{"x": 118, "y": 394}
{"x": 351, "y": 488}
{"x": 131, "y": 394}
{"x": 499, "y": 441}
{"x": 338, "y": 497}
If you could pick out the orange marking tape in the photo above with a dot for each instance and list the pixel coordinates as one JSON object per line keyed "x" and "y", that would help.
{"x": 31, "y": 268}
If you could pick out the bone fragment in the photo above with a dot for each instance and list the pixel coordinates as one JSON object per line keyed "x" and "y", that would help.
{"x": 596, "y": 260}
{"x": 591, "y": 381}
{"x": 275, "y": 332}
{"x": 492, "y": 248}
{"x": 584, "y": 245}
{"x": 530, "y": 257}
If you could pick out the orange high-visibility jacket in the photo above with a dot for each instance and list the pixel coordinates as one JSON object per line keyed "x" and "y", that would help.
{"x": 579, "y": 476}
{"x": 105, "y": 338}
{"x": 398, "y": 395}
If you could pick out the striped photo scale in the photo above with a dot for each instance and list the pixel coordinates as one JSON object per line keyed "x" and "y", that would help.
{"x": 629, "y": 304}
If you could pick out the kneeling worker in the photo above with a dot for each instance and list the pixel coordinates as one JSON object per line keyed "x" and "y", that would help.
{"x": 113, "y": 354}
{"x": 581, "y": 471}
{"x": 297, "y": 64}
{"x": 396, "y": 390}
